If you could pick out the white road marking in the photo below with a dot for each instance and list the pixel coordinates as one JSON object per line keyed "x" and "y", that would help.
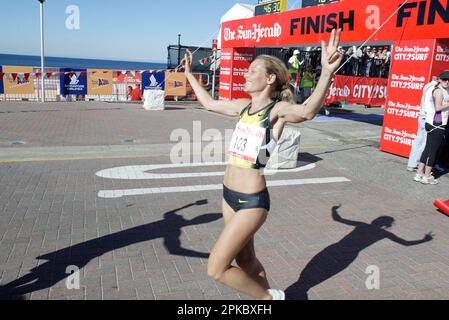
{"x": 140, "y": 172}
{"x": 110, "y": 194}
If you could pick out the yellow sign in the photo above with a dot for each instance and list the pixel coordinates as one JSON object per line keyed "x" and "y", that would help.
{"x": 18, "y": 80}
{"x": 175, "y": 84}
{"x": 99, "y": 82}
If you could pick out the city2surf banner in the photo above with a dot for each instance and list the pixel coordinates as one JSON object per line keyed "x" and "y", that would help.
{"x": 358, "y": 90}
{"x": 410, "y": 71}
{"x": 234, "y": 65}
{"x": 359, "y": 21}
{"x": 1, "y": 80}
{"x": 441, "y": 60}
{"x": 73, "y": 81}
{"x": 226, "y": 56}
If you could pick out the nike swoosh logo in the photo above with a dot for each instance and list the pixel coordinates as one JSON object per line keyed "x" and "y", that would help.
{"x": 241, "y": 202}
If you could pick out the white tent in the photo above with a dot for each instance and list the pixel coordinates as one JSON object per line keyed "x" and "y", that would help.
{"x": 238, "y": 11}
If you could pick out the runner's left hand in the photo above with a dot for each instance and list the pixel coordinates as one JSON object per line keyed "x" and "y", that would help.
{"x": 330, "y": 56}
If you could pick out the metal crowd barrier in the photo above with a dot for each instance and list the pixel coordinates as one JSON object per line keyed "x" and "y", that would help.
{"x": 120, "y": 90}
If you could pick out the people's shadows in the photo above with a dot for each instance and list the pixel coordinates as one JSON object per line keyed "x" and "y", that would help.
{"x": 340, "y": 255}
{"x": 54, "y": 270}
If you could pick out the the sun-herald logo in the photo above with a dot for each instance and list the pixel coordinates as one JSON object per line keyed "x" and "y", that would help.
{"x": 257, "y": 32}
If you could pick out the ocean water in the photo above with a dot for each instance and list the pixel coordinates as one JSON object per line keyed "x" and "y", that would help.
{"x": 55, "y": 62}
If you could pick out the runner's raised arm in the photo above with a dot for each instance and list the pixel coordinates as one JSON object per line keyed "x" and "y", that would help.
{"x": 330, "y": 61}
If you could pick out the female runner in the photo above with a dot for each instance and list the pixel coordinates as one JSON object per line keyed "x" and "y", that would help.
{"x": 246, "y": 201}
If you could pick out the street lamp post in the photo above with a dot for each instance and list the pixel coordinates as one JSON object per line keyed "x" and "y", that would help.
{"x": 179, "y": 49}
{"x": 42, "y": 50}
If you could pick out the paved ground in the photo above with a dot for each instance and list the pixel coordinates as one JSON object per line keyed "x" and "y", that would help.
{"x": 318, "y": 242}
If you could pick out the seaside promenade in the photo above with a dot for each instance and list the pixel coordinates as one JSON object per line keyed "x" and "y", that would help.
{"x": 144, "y": 231}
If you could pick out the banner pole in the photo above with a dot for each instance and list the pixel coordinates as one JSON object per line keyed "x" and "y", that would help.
{"x": 215, "y": 72}
{"x": 42, "y": 48}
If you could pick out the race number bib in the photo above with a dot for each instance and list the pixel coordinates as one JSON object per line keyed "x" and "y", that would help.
{"x": 246, "y": 142}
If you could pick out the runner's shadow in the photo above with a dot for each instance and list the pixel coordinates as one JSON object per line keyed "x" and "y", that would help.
{"x": 340, "y": 255}
{"x": 53, "y": 271}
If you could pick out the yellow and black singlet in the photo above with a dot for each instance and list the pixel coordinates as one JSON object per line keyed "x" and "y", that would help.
{"x": 259, "y": 120}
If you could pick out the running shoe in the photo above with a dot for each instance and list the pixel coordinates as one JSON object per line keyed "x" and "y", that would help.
{"x": 277, "y": 294}
{"x": 429, "y": 180}
{"x": 418, "y": 177}
{"x": 412, "y": 169}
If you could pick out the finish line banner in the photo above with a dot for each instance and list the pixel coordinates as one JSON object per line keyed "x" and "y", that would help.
{"x": 357, "y": 19}
{"x": 367, "y": 91}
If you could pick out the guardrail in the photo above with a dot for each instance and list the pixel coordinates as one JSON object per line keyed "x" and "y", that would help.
{"x": 120, "y": 90}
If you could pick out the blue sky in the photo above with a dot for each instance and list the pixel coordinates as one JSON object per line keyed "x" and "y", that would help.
{"x": 134, "y": 30}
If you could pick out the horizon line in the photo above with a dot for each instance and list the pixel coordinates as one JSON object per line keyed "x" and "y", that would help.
{"x": 85, "y": 58}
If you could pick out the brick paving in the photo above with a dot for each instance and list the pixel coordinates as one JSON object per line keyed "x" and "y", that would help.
{"x": 317, "y": 243}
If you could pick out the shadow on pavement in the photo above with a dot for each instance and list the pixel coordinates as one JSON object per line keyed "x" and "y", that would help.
{"x": 54, "y": 270}
{"x": 337, "y": 257}
{"x": 305, "y": 158}
{"x": 372, "y": 118}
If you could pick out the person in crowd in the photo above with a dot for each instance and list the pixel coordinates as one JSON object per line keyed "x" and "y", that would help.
{"x": 294, "y": 66}
{"x": 136, "y": 94}
{"x": 129, "y": 93}
{"x": 348, "y": 67}
{"x": 437, "y": 114}
{"x": 378, "y": 61}
{"x": 307, "y": 83}
{"x": 361, "y": 60}
{"x": 369, "y": 57}
{"x": 420, "y": 142}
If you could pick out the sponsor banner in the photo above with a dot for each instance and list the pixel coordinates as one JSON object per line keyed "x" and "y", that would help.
{"x": 441, "y": 59}
{"x": 1, "y": 80}
{"x": 234, "y": 65}
{"x": 410, "y": 72}
{"x": 17, "y": 80}
{"x": 99, "y": 82}
{"x": 368, "y": 91}
{"x": 126, "y": 79}
{"x": 73, "y": 81}
{"x": 359, "y": 20}
{"x": 175, "y": 84}
{"x": 240, "y": 65}
{"x": 153, "y": 81}
{"x": 226, "y": 56}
